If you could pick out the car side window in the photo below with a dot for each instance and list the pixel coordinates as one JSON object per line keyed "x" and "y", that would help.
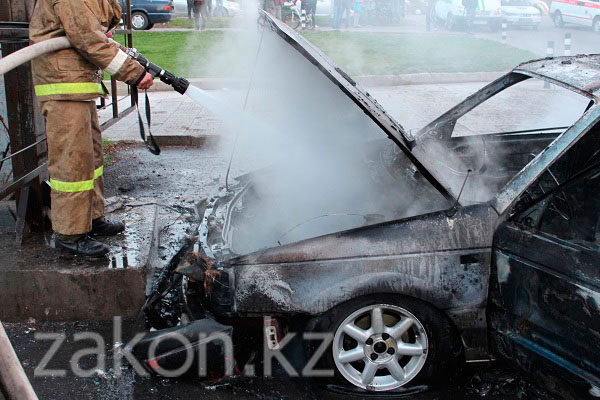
{"x": 573, "y": 213}
{"x": 564, "y": 202}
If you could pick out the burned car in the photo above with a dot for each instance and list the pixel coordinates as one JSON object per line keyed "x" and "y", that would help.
{"x": 486, "y": 242}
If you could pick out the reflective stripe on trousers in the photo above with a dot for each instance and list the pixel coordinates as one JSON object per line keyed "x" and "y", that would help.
{"x": 69, "y": 88}
{"x": 81, "y": 186}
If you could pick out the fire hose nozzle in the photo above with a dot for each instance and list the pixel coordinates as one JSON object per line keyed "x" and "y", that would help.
{"x": 179, "y": 84}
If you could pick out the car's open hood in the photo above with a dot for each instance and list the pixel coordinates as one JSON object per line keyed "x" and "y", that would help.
{"x": 354, "y": 91}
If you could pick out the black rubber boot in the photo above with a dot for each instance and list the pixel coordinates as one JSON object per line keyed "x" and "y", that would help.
{"x": 85, "y": 246}
{"x": 102, "y": 227}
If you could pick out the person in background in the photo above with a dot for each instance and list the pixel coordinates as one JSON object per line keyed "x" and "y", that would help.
{"x": 429, "y": 13}
{"x": 401, "y": 8}
{"x": 200, "y": 9}
{"x": 338, "y": 10}
{"x": 277, "y": 4}
{"x": 369, "y": 14}
{"x": 348, "y": 5}
{"x": 190, "y": 7}
{"x": 220, "y": 8}
{"x": 209, "y": 8}
{"x": 358, "y": 6}
{"x": 311, "y": 8}
{"x": 470, "y": 7}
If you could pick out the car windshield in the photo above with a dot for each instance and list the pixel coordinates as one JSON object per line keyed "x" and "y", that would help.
{"x": 479, "y": 150}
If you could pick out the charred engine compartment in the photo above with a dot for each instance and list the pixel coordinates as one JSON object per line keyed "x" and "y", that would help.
{"x": 277, "y": 206}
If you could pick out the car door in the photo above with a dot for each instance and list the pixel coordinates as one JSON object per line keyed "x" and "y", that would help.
{"x": 545, "y": 279}
{"x": 579, "y": 13}
{"x": 569, "y": 10}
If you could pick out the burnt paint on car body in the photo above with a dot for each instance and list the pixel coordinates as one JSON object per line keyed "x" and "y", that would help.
{"x": 438, "y": 258}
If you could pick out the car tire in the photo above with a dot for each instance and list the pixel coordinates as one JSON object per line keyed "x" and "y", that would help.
{"x": 139, "y": 21}
{"x": 596, "y": 25}
{"x": 416, "y": 343}
{"x": 558, "y": 20}
{"x": 450, "y": 24}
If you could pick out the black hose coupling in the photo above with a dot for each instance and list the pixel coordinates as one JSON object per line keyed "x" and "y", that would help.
{"x": 179, "y": 84}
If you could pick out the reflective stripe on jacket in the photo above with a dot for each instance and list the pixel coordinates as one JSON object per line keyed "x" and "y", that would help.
{"x": 73, "y": 74}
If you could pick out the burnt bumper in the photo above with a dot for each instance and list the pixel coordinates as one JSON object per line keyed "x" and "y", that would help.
{"x": 202, "y": 348}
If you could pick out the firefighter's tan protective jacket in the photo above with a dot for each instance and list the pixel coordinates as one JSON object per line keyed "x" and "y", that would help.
{"x": 73, "y": 74}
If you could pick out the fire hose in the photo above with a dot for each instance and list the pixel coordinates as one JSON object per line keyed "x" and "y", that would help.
{"x": 22, "y": 56}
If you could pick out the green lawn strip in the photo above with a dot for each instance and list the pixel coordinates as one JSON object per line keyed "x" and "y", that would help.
{"x": 390, "y": 54}
{"x": 359, "y": 53}
{"x": 187, "y": 23}
{"x": 178, "y": 52}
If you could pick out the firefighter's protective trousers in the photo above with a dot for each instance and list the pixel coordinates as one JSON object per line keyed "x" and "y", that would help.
{"x": 75, "y": 164}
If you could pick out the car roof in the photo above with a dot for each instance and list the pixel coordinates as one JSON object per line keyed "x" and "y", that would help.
{"x": 580, "y": 73}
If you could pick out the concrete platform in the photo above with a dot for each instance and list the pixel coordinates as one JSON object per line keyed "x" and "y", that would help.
{"x": 40, "y": 282}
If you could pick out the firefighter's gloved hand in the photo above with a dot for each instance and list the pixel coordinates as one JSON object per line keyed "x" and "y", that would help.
{"x": 146, "y": 82}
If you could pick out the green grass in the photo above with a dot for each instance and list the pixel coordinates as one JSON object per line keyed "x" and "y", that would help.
{"x": 179, "y": 52}
{"x": 186, "y": 23}
{"x": 359, "y": 53}
{"x": 390, "y": 54}
{"x": 322, "y": 20}
{"x": 109, "y": 148}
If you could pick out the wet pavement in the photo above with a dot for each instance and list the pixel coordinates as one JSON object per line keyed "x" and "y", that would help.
{"x": 107, "y": 382}
{"x": 178, "y": 178}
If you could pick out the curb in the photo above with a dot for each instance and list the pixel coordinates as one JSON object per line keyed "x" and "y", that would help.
{"x": 423, "y": 78}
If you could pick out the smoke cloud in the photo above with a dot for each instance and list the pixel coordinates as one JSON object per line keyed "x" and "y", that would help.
{"x": 325, "y": 166}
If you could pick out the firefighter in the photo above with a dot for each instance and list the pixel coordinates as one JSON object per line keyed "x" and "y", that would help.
{"x": 67, "y": 84}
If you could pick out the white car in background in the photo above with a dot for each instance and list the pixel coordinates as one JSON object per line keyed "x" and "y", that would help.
{"x": 452, "y": 14}
{"x": 230, "y": 8}
{"x": 586, "y": 13}
{"x": 521, "y": 13}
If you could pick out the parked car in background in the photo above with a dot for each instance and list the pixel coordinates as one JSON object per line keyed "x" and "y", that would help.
{"x": 586, "y": 13}
{"x": 451, "y": 13}
{"x": 146, "y": 13}
{"x": 521, "y": 13}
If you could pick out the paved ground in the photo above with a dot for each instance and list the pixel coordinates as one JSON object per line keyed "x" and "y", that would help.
{"x": 413, "y": 106}
{"x": 175, "y": 115}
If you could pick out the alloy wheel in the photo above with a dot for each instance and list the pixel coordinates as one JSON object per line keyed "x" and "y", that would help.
{"x": 380, "y": 347}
